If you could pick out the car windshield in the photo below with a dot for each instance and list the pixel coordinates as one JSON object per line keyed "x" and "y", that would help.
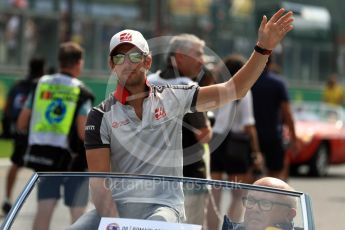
{"x": 257, "y": 207}
{"x": 318, "y": 112}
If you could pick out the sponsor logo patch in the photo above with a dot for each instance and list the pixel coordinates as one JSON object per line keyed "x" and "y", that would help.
{"x": 125, "y": 37}
{"x": 117, "y": 124}
{"x": 89, "y": 128}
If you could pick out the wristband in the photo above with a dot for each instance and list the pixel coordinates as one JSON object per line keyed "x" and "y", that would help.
{"x": 262, "y": 51}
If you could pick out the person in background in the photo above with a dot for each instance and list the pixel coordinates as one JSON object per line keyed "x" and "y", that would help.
{"x": 184, "y": 64}
{"x": 272, "y": 111}
{"x": 56, "y": 111}
{"x": 12, "y": 39}
{"x": 15, "y": 101}
{"x": 234, "y": 119}
{"x": 333, "y": 93}
{"x": 265, "y": 210}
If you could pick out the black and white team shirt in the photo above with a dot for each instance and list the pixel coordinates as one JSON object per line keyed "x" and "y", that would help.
{"x": 152, "y": 145}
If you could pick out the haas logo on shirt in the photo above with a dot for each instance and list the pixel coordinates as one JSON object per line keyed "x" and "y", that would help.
{"x": 125, "y": 37}
{"x": 160, "y": 113}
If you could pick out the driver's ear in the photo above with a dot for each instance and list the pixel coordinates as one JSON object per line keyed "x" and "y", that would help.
{"x": 110, "y": 63}
{"x": 147, "y": 62}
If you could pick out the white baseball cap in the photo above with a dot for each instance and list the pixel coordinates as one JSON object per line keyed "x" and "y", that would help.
{"x": 129, "y": 36}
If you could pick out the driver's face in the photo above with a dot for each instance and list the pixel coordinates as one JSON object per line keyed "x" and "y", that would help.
{"x": 129, "y": 73}
{"x": 275, "y": 211}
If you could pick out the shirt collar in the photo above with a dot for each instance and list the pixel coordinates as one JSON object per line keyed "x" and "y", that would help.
{"x": 121, "y": 93}
{"x": 66, "y": 74}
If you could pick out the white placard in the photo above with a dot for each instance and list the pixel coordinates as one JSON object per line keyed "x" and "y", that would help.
{"x": 134, "y": 224}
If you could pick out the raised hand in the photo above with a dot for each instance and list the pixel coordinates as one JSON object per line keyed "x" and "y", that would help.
{"x": 271, "y": 32}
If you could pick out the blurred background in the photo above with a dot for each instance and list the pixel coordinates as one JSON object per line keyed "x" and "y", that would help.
{"x": 313, "y": 50}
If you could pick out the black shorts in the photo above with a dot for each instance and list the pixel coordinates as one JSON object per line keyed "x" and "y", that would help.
{"x": 274, "y": 154}
{"x": 76, "y": 190}
{"x": 195, "y": 170}
{"x": 19, "y": 148}
{"x": 223, "y": 161}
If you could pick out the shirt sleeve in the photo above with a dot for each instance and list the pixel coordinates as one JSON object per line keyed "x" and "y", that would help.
{"x": 85, "y": 108}
{"x": 246, "y": 110}
{"x": 187, "y": 95}
{"x": 29, "y": 102}
{"x": 96, "y": 132}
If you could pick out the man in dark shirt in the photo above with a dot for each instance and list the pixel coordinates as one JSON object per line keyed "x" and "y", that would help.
{"x": 271, "y": 112}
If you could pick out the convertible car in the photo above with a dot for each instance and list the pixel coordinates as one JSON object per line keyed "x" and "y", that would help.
{"x": 321, "y": 132}
{"x": 279, "y": 209}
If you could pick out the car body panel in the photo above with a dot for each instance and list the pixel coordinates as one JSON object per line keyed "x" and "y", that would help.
{"x": 314, "y": 127}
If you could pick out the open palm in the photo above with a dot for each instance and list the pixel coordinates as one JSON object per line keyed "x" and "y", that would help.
{"x": 272, "y": 31}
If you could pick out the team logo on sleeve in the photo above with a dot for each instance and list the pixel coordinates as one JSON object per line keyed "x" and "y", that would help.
{"x": 89, "y": 128}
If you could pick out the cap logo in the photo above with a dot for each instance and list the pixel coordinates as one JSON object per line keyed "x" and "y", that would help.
{"x": 125, "y": 37}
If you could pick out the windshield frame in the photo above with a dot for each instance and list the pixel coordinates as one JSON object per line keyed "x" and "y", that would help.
{"x": 307, "y": 214}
